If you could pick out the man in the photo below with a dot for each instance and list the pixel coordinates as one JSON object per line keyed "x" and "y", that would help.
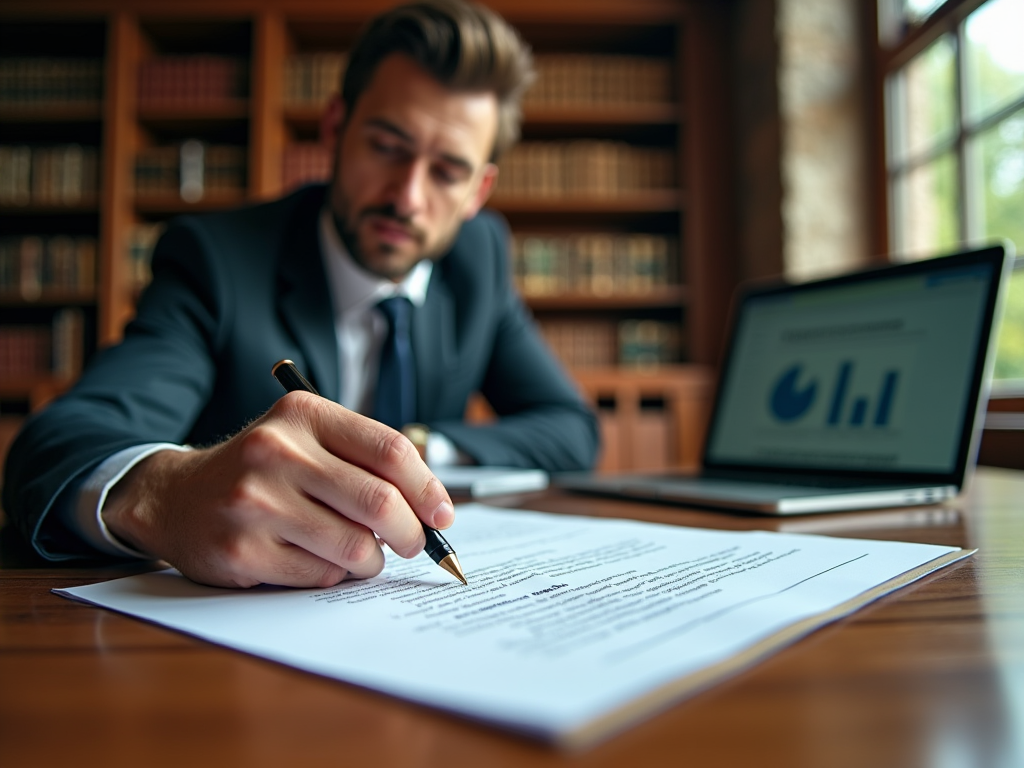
{"x": 300, "y": 494}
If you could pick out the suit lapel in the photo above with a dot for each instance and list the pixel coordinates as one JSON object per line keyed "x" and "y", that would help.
{"x": 304, "y": 300}
{"x": 433, "y": 341}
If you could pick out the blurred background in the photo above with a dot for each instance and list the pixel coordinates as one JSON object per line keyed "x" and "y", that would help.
{"x": 671, "y": 149}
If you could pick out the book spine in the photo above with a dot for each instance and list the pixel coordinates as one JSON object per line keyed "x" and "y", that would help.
{"x": 30, "y": 282}
{"x": 199, "y": 79}
{"x": 68, "y": 337}
{"x": 584, "y": 168}
{"x": 572, "y": 80}
{"x": 312, "y": 78}
{"x": 41, "y": 80}
{"x": 596, "y": 264}
{"x": 24, "y": 351}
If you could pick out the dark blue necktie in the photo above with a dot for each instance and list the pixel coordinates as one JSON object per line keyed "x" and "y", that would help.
{"x": 395, "y": 401}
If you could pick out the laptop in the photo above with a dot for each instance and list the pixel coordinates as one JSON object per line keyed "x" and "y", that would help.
{"x": 855, "y": 392}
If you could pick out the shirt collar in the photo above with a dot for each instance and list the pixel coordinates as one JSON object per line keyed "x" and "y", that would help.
{"x": 352, "y": 287}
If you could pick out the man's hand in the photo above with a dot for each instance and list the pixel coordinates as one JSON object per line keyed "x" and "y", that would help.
{"x": 293, "y": 499}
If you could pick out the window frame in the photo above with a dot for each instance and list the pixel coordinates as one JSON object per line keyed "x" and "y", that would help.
{"x": 892, "y": 56}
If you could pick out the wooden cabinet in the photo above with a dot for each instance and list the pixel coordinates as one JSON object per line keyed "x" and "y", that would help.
{"x": 622, "y": 172}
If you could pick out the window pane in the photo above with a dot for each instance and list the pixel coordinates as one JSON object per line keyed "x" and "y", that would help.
{"x": 994, "y": 52}
{"x": 917, "y": 11}
{"x": 997, "y": 209}
{"x": 922, "y": 101}
{"x": 997, "y": 191}
{"x": 926, "y": 207}
{"x": 897, "y": 17}
{"x": 1010, "y": 349}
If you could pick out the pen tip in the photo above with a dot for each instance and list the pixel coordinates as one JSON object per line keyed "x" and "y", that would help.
{"x": 451, "y": 564}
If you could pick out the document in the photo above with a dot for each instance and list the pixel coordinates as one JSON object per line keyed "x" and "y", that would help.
{"x": 571, "y": 628}
{"x": 483, "y": 481}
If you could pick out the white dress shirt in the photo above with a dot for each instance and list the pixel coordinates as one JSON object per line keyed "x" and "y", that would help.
{"x": 360, "y": 329}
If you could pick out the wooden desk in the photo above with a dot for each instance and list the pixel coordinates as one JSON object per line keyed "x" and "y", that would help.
{"x": 930, "y": 676}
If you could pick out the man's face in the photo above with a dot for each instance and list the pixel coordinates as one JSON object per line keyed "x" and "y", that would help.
{"x": 411, "y": 164}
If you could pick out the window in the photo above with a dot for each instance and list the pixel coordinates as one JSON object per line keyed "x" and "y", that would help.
{"x": 954, "y": 101}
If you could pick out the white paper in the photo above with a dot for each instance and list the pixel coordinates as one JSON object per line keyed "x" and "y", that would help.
{"x": 490, "y": 481}
{"x": 565, "y": 620}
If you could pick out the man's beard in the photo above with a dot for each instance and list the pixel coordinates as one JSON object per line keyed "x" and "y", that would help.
{"x": 348, "y": 231}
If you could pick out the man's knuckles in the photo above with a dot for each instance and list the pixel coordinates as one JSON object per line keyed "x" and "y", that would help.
{"x": 310, "y": 572}
{"x": 359, "y": 552}
{"x": 267, "y": 445}
{"x": 395, "y": 452}
{"x": 379, "y": 502}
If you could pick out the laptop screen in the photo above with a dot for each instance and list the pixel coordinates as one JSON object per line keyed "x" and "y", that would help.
{"x": 876, "y": 372}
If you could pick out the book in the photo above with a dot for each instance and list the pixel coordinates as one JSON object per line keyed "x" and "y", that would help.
{"x": 479, "y": 482}
{"x": 32, "y": 266}
{"x": 310, "y": 79}
{"x": 584, "y": 168}
{"x": 304, "y": 163}
{"x": 648, "y": 343}
{"x": 64, "y": 174}
{"x": 581, "y": 344}
{"x": 68, "y": 338}
{"x": 599, "y": 343}
{"x": 202, "y": 79}
{"x": 593, "y": 263}
{"x": 28, "y": 351}
{"x": 35, "y": 81}
{"x": 582, "y": 80}
{"x": 190, "y": 170}
{"x": 24, "y": 351}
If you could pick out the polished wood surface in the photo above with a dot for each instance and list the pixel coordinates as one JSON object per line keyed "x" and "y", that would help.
{"x": 930, "y": 676}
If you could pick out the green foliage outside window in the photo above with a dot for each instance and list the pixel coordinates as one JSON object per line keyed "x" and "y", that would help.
{"x": 925, "y": 157}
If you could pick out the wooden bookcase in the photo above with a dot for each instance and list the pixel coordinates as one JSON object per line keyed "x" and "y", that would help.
{"x": 48, "y": 53}
{"x": 691, "y": 123}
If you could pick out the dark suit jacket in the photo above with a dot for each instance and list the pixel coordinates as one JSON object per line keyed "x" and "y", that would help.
{"x": 234, "y": 292}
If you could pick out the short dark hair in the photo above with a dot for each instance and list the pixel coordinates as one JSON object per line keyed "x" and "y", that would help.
{"x": 465, "y": 46}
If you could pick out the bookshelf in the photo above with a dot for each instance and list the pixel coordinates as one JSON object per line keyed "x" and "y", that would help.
{"x": 51, "y": 123}
{"x": 179, "y": 107}
{"x": 626, "y": 130}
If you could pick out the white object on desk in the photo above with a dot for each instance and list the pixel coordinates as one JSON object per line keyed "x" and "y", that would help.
{"x": 479, "y": 482}
{"x": 571, "y": 628}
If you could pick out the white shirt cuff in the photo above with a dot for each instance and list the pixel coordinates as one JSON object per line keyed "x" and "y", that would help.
{"x": 441, "y": 452}
{"x": 85, "y": 517}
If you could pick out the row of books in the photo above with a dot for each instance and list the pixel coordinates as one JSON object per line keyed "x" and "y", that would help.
{"x": 35, "y": 350}
{"x": 562, "y": 79}
{"x": 584, "y": 168}
{"x": 66, "y": 174}
{"x": 312, "y": 78}
{"x": 31, "y": 266}
{"x": 597, "y": 264}
{"x": 29, "y": 81}
{"x": 578, "y": 79}
{"x": 190, "y": 170}
{"x": 303, "y": 163}
{"x": 545, "y": 169}
{"x": 198, "y": 79}
{"x": 595, "y": 343}
{"x": 649, "y": 343}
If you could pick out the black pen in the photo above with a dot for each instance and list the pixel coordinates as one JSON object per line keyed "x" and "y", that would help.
{"x": 440, "y": 551}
